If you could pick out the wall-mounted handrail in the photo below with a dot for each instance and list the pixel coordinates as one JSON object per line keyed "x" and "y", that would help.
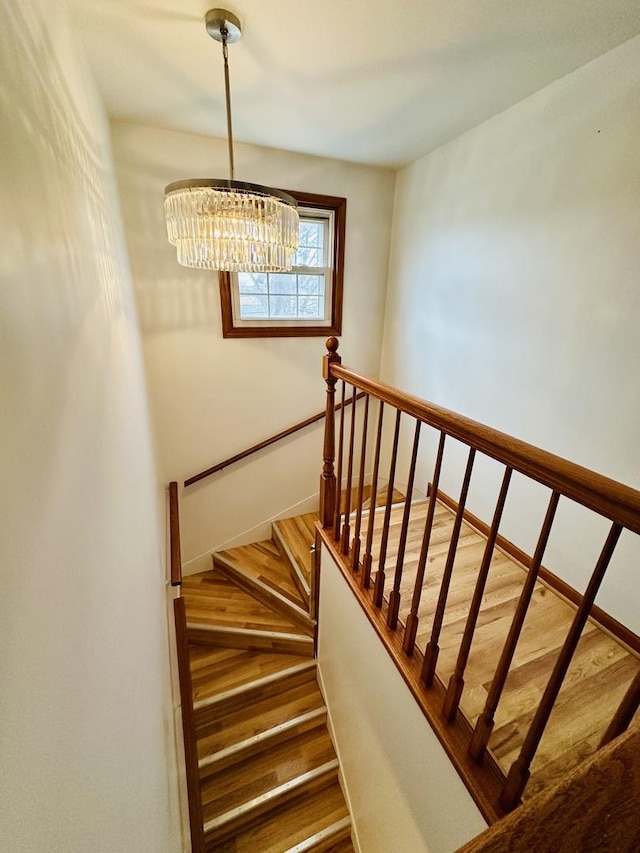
{"x": 256, "y": 447}
{"x": 615, "y": 501}
{"x": 175, "y": 557}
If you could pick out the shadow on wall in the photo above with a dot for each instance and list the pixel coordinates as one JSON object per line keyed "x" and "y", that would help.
{"x": 178, "y": 303}
{"x": 169, "y": 297}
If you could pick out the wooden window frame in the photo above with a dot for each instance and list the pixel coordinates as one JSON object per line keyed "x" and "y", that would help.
{"x": 302, "y": 330}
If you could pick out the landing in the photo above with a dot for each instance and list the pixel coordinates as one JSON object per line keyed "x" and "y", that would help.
{"x": 601, "y": 670}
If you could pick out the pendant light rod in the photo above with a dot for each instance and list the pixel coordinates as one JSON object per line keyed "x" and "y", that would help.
{"x": 224, "y": 26}
{"x": 224, "y": 32}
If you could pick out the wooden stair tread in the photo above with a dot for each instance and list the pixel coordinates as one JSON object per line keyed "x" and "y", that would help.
{"x": 264, "y": 561}
{"x": 257, "y": 713}
{"x": 272, "y": 800}
{"x": 298, "y": 821}
{"x": 264, "y": 740}
{"x": 213, "y": 707}
{"x": 216, "y": 670}
{"x": 212, "y": 599}
{"x": 236, "y": 573}
{"x": 229, "y": 789}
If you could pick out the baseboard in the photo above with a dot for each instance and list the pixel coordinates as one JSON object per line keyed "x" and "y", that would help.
{"x": 257, "y": 533}
{"x": 343, "y": 782}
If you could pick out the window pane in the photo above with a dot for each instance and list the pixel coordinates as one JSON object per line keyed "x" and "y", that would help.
{"x": 311, "y": 306}
{"x": 311, "y": 233}
{"x": 311, "y": 284}
{"x": 282, "y": 283}
{"x": 309, "y": 256}
{"x": 282, "y": 306}
{"x": 253, "y": 306}
{"x": 252, "y": 282}
{"x": 311, "y": 249}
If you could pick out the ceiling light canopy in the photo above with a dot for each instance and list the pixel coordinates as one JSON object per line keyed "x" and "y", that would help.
{"x": 227, "y": 224}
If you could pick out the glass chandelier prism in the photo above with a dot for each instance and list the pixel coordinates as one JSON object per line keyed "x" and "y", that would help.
{"x": 227, "y": 224}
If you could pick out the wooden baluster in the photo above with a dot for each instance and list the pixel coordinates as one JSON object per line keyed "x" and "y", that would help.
{"x": 394, "y": 598}
{"x": 519, "y": 772}
{"x": 346, "y": 530}
{"x": 433, "y": 649}
{"x": 411, "y": 627}
{"x": 355, "y": 554}
{"x": 456, "y": 682}
{"x": 327, "y": 478}
{"x": 484, "y": 724}
{"x": 366, "y": 563}
{"x": 623, "y": 716}
{"x": 378, "y": 589}
{"x": 338, "y": 516}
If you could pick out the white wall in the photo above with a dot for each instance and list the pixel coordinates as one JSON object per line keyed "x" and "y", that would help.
{"x": 212, "y": 397}
{"x": 514, "y": 295}
{"x": 85, "y": 710}
{"x": 404, "y": 792}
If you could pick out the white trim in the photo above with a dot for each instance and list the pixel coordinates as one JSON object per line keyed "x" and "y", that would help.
{"x": 342, "y": 781}
{"x": 326, "y": 271}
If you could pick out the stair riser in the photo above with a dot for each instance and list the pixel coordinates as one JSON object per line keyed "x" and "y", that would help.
{"x": 253, "y": 640}
{"x": 265, "y": 595}
{"x": 297, "y": 573}
{"x": 262, "y": 744}
{"x": 244, "y": 820}
{"x": 212, "y": 713}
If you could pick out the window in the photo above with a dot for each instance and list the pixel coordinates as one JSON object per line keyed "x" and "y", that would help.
{"x": 306, "y": 301}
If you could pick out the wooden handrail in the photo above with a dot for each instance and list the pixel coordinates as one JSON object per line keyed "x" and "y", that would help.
{"x": 174, "y": 535}
{"x": 266, "y": 443}
{"x": 594, "y": 808}
{"x": 615, "y": 501}
{"x": 467, "y": 746}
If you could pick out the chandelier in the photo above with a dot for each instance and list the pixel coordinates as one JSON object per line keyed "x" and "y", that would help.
{"x": 227, "y": 224}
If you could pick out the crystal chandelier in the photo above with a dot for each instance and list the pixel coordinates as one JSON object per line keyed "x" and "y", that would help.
{"x": 227, "y": 224}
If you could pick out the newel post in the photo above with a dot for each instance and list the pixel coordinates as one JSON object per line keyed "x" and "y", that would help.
{"x": 328, "y": 477}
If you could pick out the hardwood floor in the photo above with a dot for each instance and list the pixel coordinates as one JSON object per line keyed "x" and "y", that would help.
{"x": 315, "y": 812}
{"x": 601, "y": 670}
{"x": 213, "y": 600}
{"x": 268, "y": 773}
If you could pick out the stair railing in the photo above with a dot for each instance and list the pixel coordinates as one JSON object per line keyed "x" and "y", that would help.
{"x": 597, "y": 800}
{"x": 175, "y": 554}
{"x": 620, "y": 504}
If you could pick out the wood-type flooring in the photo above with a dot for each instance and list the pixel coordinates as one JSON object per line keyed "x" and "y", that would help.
{"x": 268, "y": 772}
{"x": 600, "y": 672}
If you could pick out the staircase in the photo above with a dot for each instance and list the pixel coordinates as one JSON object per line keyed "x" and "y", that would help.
{"x": 521, "y": 676}
{"x": 268, "y": 772}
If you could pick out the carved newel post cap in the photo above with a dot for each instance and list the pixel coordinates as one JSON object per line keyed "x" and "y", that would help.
{"x": 332, "y": 344}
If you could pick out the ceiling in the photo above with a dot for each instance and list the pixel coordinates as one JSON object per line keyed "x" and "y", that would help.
{"x": 362, "y": 80}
